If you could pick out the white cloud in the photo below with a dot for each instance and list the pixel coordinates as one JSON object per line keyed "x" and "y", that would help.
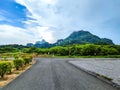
{"x": 35, "y": 30}
{"x": 42, "y": 33}
{"x": 43, "y": 11}
{"x": 11, "y": 35}
{"x": 69, "y": 15}
{"x": 49, "y": 1}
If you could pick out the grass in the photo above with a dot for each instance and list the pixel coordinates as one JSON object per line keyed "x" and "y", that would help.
{"x": 6, "y": 61}
{"x": 56, "y": 56}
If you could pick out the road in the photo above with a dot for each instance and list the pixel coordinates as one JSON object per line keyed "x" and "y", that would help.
{"x": 56, "y": 74}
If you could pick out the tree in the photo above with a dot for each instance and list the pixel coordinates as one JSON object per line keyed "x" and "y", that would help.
{"x": 89, "y": 49}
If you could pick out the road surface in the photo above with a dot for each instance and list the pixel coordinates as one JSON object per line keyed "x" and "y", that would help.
{"x": 56, "y": 74}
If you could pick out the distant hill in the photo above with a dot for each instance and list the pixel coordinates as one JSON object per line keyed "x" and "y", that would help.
{"x": 40, "y": 44}
{"x": 77, "y": 37}
{"x": 83, "y": 37}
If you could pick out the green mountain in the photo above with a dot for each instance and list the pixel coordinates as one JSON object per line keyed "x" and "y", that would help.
{"x": 83, "y": 37}
{"x": 77, "y": 37}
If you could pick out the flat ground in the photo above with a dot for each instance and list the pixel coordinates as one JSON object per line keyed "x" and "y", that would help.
{"x": 56, "y": 74}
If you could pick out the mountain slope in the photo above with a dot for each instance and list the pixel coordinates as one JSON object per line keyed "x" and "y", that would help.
{"x": 77, "y": 37}
{"x": 83, "y": 37}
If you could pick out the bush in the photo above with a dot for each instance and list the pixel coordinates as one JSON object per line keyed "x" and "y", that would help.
{"x": 9, "y": 69}
{"x": 4, "y": 66}
{"x": 89, "y": 49}
{"x": 18, "y": 63}
{"x": 27, "y": 60}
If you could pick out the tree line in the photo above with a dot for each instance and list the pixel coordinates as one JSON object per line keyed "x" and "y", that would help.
{"x": 73, "y": 50}
{"x": 77, "y": 50}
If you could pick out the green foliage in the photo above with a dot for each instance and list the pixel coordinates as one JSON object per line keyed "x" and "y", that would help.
{"x": 82, "y": 50}
{"x": 109, "y": 51}
{"x": 66, "y": 50}
{"x": 9, "y": 68}
{"x": 89, "y": 49}
{"x": 18, "y": 63}
{"x": 42, "y": 51}
{"x": 76, "y": 50}
{"x": 21, "y": 59}
{"x": 29, "y": 50}
{"x": 16, "y": 56}
{"x": 4, "y": 68}
{"x": 27, "y": 59}
{"x": 59, "y": 50}
{"x": 8, "y": 49}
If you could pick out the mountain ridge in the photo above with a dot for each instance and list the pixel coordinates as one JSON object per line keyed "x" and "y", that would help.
{"x": 83, "y": 37}
{"x": 77, "y": 37}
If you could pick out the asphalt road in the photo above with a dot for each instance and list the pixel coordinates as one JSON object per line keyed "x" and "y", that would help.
{"x": 56, "y": 74}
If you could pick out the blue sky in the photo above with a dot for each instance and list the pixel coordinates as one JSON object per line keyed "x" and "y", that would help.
{"x": 23, "y": 21}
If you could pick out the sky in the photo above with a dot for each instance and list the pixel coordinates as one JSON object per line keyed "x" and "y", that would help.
{"x": 28, "y": 21}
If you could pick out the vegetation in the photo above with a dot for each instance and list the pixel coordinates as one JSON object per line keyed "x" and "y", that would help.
{"x": 77, "y": 50}
{"x": 67, "y": 50}
{"x": 80, "y": 43}
{"x": 20, "y": 61}
{"x": 5, "y": 67}
{"x": 9, "y": 67}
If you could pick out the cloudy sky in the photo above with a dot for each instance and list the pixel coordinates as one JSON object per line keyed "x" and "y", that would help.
{"x": 23, "y": 21}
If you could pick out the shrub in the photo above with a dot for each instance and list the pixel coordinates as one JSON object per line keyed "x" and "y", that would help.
{"x": 9, "y": 69}
{"x": 3, "y": 68}
{"x": 18, "y": 63}
{"x": 27, "y": 60}
{"x": 16, "y": 57}
{"x": 89, "y": 49}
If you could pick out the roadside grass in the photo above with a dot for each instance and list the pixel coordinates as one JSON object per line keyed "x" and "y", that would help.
{"x": 57, "y": 56}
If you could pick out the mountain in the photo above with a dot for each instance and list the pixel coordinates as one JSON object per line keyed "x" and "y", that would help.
{"x": 77, "y": 37}
{"x": 83, "y": 37}
{"x": 30, "y": 44}
{"x": 40, "y": 44}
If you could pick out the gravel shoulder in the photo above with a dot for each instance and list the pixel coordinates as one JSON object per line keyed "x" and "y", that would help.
{"x": 107, "y": 68}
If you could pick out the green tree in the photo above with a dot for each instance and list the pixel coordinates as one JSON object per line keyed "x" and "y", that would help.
{"x": 89, "y": 49}
{"x": 18, "y": 63}
{"x": 4, "y": 66}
